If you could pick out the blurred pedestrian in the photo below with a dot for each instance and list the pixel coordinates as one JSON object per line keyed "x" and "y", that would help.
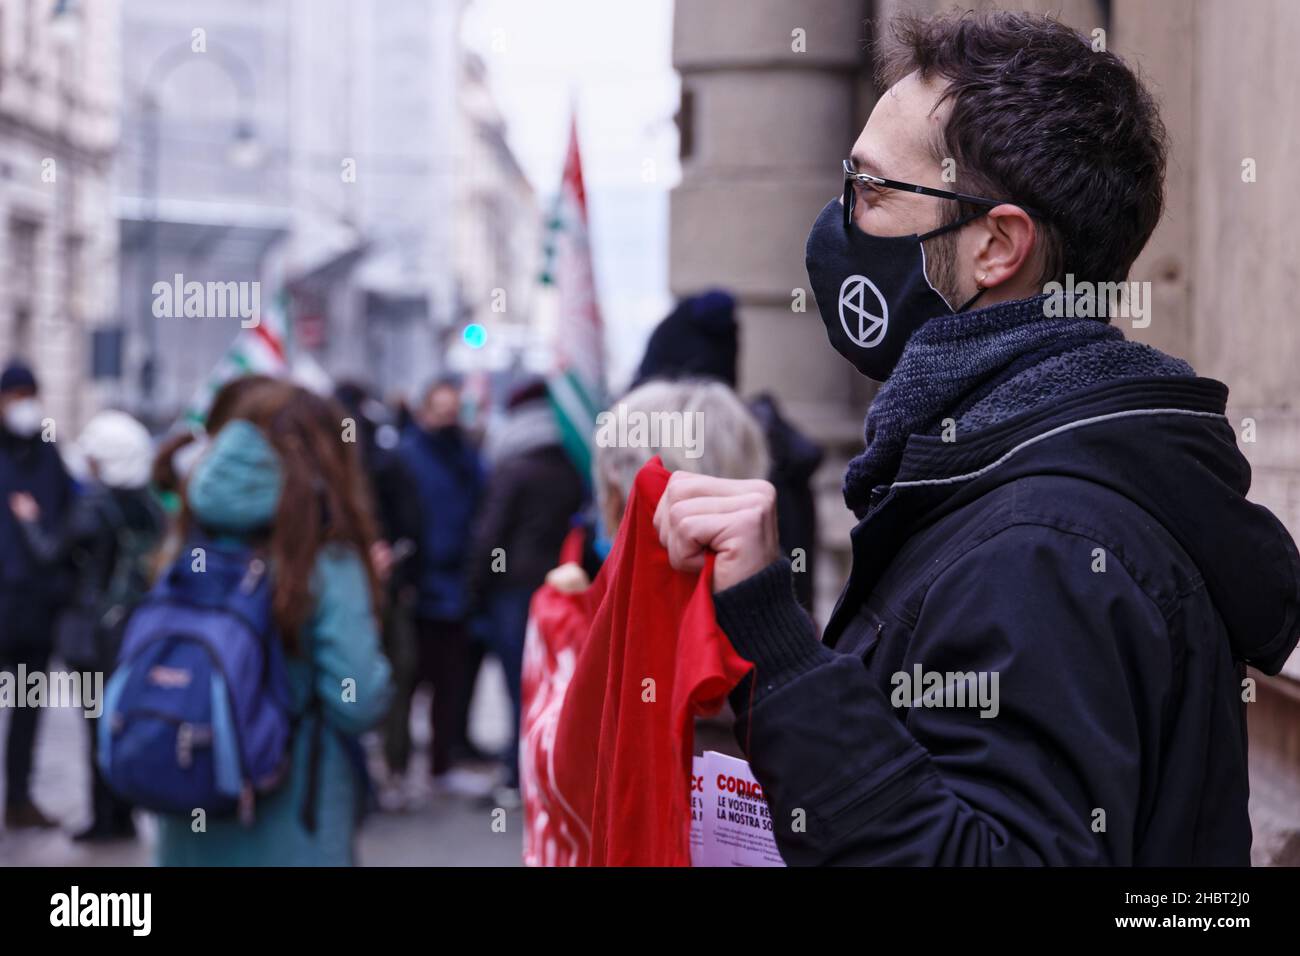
{"x": 699, "y": 339}
{"x": 177, "y": 453}
{"x": 533, "y": 492}
{"x": 448, "y": 482}
{"x": 108, "y": 539}
{"x": 278, "y": 476}
{"x": 30, "y": 469}
{"x": 728, "y": 441}
{"x": 398, "y": 515}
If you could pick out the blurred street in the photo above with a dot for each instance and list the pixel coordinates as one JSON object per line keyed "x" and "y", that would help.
{"x": 436, "y": 830}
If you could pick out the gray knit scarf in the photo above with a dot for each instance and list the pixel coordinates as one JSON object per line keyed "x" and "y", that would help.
{"x": 983, "y": 366}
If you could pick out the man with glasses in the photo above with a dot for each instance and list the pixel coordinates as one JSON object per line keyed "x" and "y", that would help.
{"x": 1057, "y": 580}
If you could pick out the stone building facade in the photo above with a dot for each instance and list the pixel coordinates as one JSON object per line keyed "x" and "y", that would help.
{"x": 59, "y": 86}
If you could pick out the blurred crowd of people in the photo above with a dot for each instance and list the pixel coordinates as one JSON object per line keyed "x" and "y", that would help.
{"x": 405, "y": 542}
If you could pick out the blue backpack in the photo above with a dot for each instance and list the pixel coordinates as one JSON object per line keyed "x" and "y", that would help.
{"x": 198, "y": 712}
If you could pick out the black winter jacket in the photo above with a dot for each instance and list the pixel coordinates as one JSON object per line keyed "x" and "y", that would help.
{"x": 1096, "y": 565}
{"x": 532, "y": 498}
{"x": 29, "y": 593}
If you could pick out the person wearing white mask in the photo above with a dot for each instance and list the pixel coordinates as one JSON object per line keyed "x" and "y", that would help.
{"x": 107, "y": 541}
{"x": 30, "y": 469}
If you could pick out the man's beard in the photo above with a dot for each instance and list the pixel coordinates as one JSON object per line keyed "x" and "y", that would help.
{"x": 941, "y": 267}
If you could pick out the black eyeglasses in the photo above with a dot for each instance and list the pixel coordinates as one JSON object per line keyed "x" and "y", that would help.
{"x": 853, "y": 178}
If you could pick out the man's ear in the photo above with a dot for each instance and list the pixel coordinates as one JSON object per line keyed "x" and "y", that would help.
{"x": 1005, "y": 251}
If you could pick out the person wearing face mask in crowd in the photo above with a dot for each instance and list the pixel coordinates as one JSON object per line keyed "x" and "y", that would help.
{"x": 1057, "y": 580}
{"x": 275, "y": 480}
{"x": 108, "y": 542}
{"x": 179, "y": 452}
{"x": 30, "y": 470}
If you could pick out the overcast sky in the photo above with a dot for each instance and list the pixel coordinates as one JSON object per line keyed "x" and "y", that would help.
{"x": 614, "y": 61}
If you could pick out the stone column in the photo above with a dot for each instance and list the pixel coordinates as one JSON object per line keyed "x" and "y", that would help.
{"x": 1223, "y": 268}
{"x": 769, "y": 109}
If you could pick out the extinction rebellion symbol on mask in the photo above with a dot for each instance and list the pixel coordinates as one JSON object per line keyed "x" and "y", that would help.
{"x": 865, "y": 317}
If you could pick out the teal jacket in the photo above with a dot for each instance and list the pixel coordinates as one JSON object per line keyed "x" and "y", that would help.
{"x": 234, "y": 490}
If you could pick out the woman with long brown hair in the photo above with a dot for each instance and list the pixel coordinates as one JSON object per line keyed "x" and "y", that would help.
{"x": 282, "y": 475}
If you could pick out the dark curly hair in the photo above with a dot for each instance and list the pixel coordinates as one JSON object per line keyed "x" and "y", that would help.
{"x": 1040, "y": 118}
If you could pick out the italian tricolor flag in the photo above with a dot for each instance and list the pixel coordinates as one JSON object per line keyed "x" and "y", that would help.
{"x": 577, "y": 383}
{"x": 258, "y": 350}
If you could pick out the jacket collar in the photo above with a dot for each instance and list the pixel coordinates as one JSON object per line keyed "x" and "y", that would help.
{"x": 934, "y": 474}
{"x": 929, "y": 458}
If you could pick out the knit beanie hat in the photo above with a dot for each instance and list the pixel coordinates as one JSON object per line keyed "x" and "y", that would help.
{"x": 697, "y": 340}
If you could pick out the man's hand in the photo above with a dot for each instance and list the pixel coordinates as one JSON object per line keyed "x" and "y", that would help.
{"x": 734, "y": 519}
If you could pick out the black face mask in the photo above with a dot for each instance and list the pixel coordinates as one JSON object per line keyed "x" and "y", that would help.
{"x": 872, "y": 291}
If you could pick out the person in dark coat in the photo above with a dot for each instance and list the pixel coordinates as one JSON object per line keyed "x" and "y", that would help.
{"x": 30, "y": 595}
{"x": 397, "y": 513}
{"x": 108, "y": 539}
{"x": 377, "y": 439}
{"x": 533, "y": 493}
{"x": 1058, "y": 581}
{"x": 447, "y": 478}
{"x": 699, "y": 340}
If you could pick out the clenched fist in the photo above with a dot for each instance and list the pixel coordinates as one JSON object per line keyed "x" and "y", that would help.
{"x": 734, "y": 519}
